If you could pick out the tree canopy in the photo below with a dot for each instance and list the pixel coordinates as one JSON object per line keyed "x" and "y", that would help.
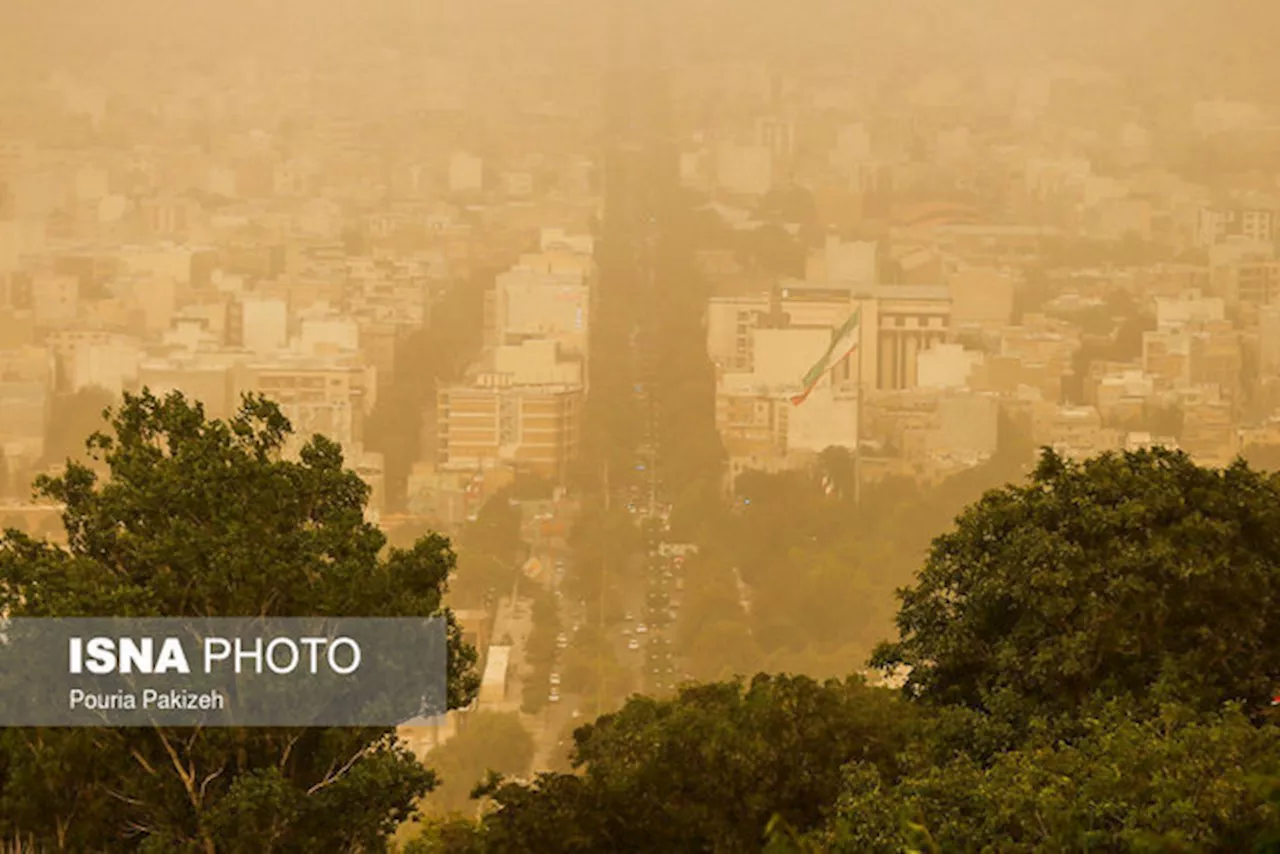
{"x": 707, "y": 770}
{"x": 1135, "y": 574}
{"x": 1170, "y": 783}
{"x": 201, "y": 517}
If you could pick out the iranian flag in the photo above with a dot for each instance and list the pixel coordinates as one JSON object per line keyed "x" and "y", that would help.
{"x": 843, "y": 342}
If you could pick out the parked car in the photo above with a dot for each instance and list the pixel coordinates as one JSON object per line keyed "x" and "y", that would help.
{"x": 633, "y": 644}
{"x": 555, "y": 680}
{"x": 554, "y": 696}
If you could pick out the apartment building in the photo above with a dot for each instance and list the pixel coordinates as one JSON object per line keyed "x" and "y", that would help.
{"x": 1269, "y": 341}
{"x": 1209, "y": 432}
{"x": 729, "y": 322}
{"x": 329, "y": 396}
{"x": 1216, "y": 224}
{"x": 521, "y": 407}
{"x": 1217, "y": 358}
{"x": 1075, "y": 432}
{"x": 530, "y": 428}
{"x": 1122, "y": 397}
{"x": 1166, "y": 355}
{"x": 934, "y": 430}
{"x": 1249, "y": 284}
{"x": 542, "y": 303}
{"x": 752, "y": 426}
{"x": 87, "y": 358}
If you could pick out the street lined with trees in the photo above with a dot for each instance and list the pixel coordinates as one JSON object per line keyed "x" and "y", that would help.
{"x": 1091, "y": 665}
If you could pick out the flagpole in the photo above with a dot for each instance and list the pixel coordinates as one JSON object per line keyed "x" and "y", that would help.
{"x": 857, "y": 453}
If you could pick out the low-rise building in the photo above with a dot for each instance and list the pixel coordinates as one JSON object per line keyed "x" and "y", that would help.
{"x": 1209, "y": 432}
{"x": 1075, "y": 432}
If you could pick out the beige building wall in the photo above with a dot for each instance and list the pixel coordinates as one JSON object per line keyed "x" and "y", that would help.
{"x": 1209, "y": 434}
{"x": 981, "y": 297}
{"x": 329, "y": 399}
{"x": 533, "y": 429}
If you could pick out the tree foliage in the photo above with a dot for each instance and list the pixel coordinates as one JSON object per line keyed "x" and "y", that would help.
{"x": 1130, "y": 574}
{"x": 488, "y": 741}
{"x": 707, "y": 770}
{"x": 1091, "y": 653}
{"x": 1171, "y": 783}
{"x": 490, "y": 552}
{"x": 822, "y": 564}
{"x": 602, "y": 543}
{"x": 203, "y": 518}
{"x": 539, "y": 651}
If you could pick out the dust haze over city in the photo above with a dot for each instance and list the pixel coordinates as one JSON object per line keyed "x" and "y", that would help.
{"x": 827, "y": 426}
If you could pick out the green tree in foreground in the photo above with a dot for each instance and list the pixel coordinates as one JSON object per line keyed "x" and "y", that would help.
{"x": 1172, "y": 783}
{"x": 1136, "y": 574}
{"x": 708, "y": 770}
{"x": 203, "y": 518}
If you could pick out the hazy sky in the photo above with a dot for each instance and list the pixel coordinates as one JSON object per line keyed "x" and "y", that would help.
{"x": 1227, "y": 42}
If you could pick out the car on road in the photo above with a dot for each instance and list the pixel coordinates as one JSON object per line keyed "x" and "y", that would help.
{"x": 562, "y": 640}
{"x": 555, "y": 680}
{"x": 628, "y": 616}
{"x": 554, "y": 696}
{"x": 633, "y": 644}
